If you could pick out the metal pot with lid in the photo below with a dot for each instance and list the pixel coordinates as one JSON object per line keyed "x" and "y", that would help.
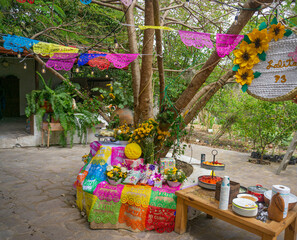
{"x": 257, "y": 191}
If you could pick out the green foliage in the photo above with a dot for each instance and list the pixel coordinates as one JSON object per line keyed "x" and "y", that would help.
{"x": 262, "y": 122}
{"x": 116, "y": 95}
{"x": 78, "y": 23}
{"x": 176, "y": 129}
{"x": 121, "y": 87}
{"x": 114, "y": 123}
{"x": 86, "y": 25}
{"x": 60, "y": 106}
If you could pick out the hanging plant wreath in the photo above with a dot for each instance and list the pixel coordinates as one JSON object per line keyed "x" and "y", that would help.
{"x": 265, "y": 63}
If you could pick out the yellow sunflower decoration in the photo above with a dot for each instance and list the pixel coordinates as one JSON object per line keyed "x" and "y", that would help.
{"x": 244, "y": 76}
{"x": 246, "y": 56}
{"x": 259, "y": 39}
{"x": 276, "y": 31}
{"x": 253, "y": 49}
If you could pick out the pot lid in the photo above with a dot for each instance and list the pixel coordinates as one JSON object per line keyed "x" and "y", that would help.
{"x": 257, "y": 189}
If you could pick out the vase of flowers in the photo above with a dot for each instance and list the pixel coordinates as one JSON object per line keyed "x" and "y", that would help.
{"x": 175, "y": 177}
{"x": 148, "y": 135}
{"x": 116, "y": 174}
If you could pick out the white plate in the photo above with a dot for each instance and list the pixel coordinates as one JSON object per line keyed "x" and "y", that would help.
{"x": 245, "y": 212}
{"x": 244, "y": 203}
{"x": 244, "y": 195}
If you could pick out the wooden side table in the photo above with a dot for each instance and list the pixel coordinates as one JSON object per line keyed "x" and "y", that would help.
{"x": 204, "y": 201}
{"x": 50, "y": 127}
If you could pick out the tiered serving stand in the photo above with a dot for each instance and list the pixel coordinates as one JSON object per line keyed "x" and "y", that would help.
{"x": 202, "y": 179}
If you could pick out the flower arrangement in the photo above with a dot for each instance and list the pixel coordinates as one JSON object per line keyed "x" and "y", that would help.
{"x": 116, "y": 173}
{"x": 148, "y": 135}
{"x": 122, "y": 133}
{"x": 144, "y": 130}
{"x": 157, "y": 177}
{"x": 252, "y": 50}
{"x": 175, "y": 175}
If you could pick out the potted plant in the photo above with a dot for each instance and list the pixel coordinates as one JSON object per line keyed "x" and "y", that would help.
{"x": 60, "y": 101}
{"x": 175, "y": 177}
{"x": 115, "y": 174}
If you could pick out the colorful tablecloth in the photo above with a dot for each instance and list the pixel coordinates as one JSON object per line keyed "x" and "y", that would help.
{"x": 132, "y": 207}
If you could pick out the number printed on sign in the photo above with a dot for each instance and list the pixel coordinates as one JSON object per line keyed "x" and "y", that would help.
{"x": 283, "y": 77}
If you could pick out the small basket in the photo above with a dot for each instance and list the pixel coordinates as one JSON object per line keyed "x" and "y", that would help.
{"x": 173, "y": 184}
{"x": 113, "y": 182}
{"x": 234, "y": 190}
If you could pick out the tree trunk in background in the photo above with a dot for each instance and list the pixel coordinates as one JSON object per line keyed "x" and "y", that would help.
{"x": 288, "y": 154}
{"x": 144, "y": 110}
{"x": 135, "y": 67}
{"x": 159, "y": 51}
{"x": 225, "y": 127}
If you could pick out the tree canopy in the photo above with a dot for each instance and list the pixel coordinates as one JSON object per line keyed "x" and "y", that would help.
{"x": 177, "y": 79}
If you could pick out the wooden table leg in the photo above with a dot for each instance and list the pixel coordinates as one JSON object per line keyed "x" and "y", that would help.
{"x": 48, "y": 137}
{"x": 291, "y": 231}
{"x": 42, "y": 135}
{"x": 181, "y": 217}
{"x": 269, "y": 237}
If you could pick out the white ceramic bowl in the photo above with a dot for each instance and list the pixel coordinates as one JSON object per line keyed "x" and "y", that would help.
{"x": 248, "y": 196}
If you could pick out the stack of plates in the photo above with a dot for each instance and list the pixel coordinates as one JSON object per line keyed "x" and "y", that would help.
{"x": 244, "y": 207}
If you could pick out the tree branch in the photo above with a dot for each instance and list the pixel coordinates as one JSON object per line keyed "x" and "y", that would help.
{"x": 210, "y": 92}
{"x": 107, "y": 5}
{"x": 214, "y": 59}
{"x": 172, "y": 7}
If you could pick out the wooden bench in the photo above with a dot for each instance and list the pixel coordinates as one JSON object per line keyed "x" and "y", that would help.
{"x": 50, "y": 127}
{"x": 204, "y": 200}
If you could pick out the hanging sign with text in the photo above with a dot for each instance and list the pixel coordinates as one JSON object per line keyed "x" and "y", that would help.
{"x": 278, "y": 73}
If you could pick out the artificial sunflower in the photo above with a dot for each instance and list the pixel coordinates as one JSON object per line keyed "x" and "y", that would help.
{"x": 246, "y": 56}
{"x": 276, "y": 31}
{"x": 259, "y": 40}
{"x": 244, "y": 76}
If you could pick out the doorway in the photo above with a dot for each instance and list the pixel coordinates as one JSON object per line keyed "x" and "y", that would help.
{"x": 9, "y": 97}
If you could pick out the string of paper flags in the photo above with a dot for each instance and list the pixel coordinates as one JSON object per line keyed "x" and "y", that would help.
{"x": 64, "y": 57}
{"x": 29, "y": 1}
{"x": 125, "y": 2}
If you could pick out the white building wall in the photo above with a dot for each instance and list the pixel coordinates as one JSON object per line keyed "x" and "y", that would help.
{"x": 12, "y": 66}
